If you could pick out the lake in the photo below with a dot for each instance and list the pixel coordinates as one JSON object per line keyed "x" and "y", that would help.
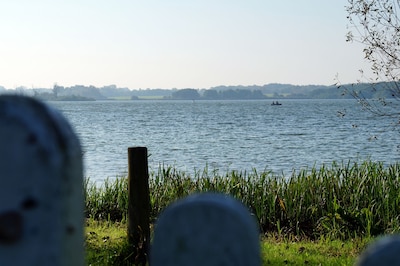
{"x": 229, "y": 135}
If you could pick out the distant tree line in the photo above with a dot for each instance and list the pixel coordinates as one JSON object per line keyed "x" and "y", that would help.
{"x": 232, "y": 94}
{"x": 269, "y": 91}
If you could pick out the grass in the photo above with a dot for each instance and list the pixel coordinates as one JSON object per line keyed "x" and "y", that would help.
{"x": 120, "y": 98}
{"x": 306, "y": 252}
{"x": 128, "y": 98}
{"x": 107, "y": 244}
{"x": 323, "y": 216}
{"x": 154, "y": 97}
{"x": 342, "y": 201}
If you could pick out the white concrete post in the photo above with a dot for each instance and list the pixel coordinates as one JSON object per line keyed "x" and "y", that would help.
{"x": 41, "y": 177}
{"x": 206, "y": 229}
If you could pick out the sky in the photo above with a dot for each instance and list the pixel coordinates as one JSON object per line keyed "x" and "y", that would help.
{"x": 175, "y": 43}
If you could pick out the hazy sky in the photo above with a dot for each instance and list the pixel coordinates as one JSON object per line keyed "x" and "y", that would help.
{"x": 175, "y": 43}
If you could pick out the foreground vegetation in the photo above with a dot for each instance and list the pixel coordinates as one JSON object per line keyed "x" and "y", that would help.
{"x": 340, "y": 202}
{"x": 322, "y": 216}
{"x": 107, "y": 244}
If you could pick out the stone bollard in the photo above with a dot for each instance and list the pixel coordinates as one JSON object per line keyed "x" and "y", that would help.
{"x": 206, "y": 229}
{"x": 41, "y": 178}
{"x": 385, "y": 251}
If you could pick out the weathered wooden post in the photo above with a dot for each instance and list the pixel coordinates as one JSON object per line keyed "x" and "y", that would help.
{"x": 138, "y": 203}
{"x": 206, "y": 229}
{"x": 41, "y": 178}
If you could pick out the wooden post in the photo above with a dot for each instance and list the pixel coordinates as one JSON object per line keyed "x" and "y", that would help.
{"x": 41, "y": 191}
{"x": 138, "y": 204}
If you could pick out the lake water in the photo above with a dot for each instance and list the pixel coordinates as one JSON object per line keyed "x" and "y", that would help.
{"x": 229, "y": 135}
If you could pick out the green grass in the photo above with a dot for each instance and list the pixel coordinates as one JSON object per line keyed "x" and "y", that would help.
{"x": 107, "y": 244}
{"x": 342, "y": 201}
{"x": 120, "y": 98}
{"x": 323, "y": 251}
{"x": 322, "y": 216}
{"x": 151, "y": 97}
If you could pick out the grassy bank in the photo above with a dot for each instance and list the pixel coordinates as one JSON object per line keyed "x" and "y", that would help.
{"x": 340, "y": 202}
{"x": 107, "y": 244}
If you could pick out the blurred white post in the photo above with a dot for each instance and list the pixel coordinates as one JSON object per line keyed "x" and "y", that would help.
{"x": 385, "y": 251}
{"x": 206, "y": 229}
{"x": 41, "y": 193}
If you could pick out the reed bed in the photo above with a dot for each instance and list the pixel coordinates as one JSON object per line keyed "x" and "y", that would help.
{"x": 339, "y": 201}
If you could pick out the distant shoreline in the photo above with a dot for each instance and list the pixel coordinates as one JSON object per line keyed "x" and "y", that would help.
{"x": 271, "y": 91}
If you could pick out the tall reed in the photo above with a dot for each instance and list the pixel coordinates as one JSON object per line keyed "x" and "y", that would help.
{"x": 340, "y": 201}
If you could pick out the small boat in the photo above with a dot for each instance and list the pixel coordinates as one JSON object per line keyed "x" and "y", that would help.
{"x": 276, "y": 103}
